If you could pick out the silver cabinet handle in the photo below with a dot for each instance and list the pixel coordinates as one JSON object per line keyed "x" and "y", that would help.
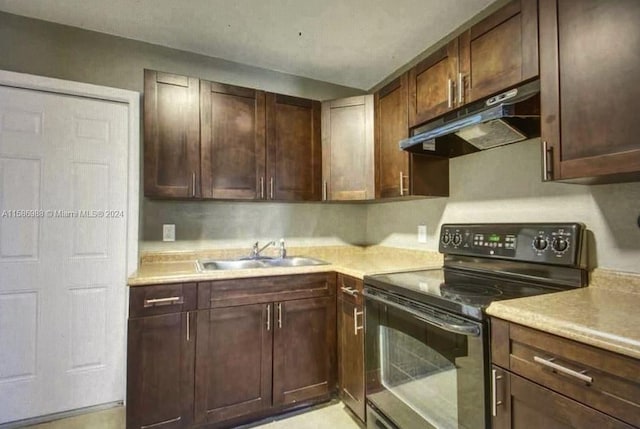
{"x": 580, "y": 375}
{"x": 460, "y": 89}
{"x": 271, "y": 188}
{"x": 188, "y": 326}
{"x": 324, "y": 191}
{"x": 280, "y": 315}
{"x": 268, "y": 317}
{"x": 547, "y": 162}
{"x": 356, "y": 328}
{"x": 193, "y": 184}
{"x": 262, "y": 188}
{"x": 450, "y": 93}
{"x": 494, "y": 392}
{"x": 401, "y": 184}
{"x": 156, "y": 302}
{"x": 349, "y": 290}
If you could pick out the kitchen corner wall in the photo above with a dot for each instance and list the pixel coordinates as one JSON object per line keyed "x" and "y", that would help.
{"x": 504, "y": 185}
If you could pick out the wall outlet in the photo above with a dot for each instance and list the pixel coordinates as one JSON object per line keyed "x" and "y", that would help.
{"x": 168, "y": 232}
{"x": 422, "y": 233}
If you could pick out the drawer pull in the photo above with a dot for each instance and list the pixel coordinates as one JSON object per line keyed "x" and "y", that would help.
{"x": 570, "y": 372}
{"x": 156, "y": 302}
{"x": 349, "y": 290}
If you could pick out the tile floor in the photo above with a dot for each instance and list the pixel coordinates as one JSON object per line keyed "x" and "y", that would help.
{"x": 332, "y": 416}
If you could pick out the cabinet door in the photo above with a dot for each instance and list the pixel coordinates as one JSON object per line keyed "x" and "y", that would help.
{"x": 521, "y": 404}
{"x": 171, "y": 136}
{"x": 391, "y": 126}
{"x": 347, "y": 149}
{"x": 351, "y": 359}
{"x": 232, "y": 128}
{"x": 432, "y": 85}
{"x": 304, "y": 350}
{"x": 233, "y": 362}
{"x": 589, "y": 67}
{"x": 499, "y": 52}
{"x": 161, "y": 351}
{"x": 294, "y": 149}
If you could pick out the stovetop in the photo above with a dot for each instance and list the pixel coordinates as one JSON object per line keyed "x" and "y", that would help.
{"x": 459, "y": 292}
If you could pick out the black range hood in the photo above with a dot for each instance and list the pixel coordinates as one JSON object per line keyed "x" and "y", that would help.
{"x": 505, "y": 118}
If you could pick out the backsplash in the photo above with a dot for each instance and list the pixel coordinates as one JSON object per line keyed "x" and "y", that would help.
{"x": 504, "y": 185}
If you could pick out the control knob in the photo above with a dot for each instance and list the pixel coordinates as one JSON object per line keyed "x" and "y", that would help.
{"x": 457, "y": 239}
{"x": 540, "y": 243}
{"x": 560, "y": 244}
{"x": 446, "y": 238}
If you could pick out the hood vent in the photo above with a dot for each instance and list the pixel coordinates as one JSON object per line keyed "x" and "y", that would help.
{"x": 506, "y": 118}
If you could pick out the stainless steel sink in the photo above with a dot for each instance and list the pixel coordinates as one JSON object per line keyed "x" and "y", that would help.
{"x": 244, "y": 264}
{"x": 295, "y": 261}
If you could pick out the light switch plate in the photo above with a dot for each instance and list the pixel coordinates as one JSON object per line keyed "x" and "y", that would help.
{"x": 168, "y": 232}
{"x": 422, "y": 233}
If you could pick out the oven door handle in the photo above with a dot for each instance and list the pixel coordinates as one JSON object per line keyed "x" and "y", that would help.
{"x": 467, "y": 329}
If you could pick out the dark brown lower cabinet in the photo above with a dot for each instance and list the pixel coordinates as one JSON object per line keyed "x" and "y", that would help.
{"x": 304, "y": 344}
{"x": 160, "y": 371}
{"x": 233, "y": 362}
{"x": 522, "y": 404}
{"x": 351, "y": 344}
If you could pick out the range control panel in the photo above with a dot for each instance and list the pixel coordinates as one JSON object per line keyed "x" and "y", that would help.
{"x": 550, "y": 243}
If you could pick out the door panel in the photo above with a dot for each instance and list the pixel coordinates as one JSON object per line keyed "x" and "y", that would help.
{"x": 304, "y": 350}
{"x": 294, "y": 149}
{"x": 351, "y": 343}
{"x": 63, "y": 172}
{"x": 347, "y": 151}
{"x": 171, "y": 135}
{"x": 233, "y": 363}
{"x": 431, "y": 85}
{"x": 499, "y": 52}
{"x": 589, "y": 93}
{"x": 391, "y": 126}
{"x": 160, "y": 371}
{"x": 232, "y": 130}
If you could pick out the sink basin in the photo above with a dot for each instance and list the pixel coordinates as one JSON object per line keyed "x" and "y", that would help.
{"x": 295, "y": 261}
{"x": 244, "y": 264}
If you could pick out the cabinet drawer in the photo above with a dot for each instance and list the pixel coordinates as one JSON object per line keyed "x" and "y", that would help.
{"x": 350, "y": 289}
{"x": 225, "y": 293}
{"x": 606, "y": 381}
{"x": 161, "y": 299}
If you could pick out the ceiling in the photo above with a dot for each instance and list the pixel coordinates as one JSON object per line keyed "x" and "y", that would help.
{"x": 355, "y": 43}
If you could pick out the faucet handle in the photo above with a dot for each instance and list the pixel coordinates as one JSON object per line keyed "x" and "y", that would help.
{"x": 282, "y": 249}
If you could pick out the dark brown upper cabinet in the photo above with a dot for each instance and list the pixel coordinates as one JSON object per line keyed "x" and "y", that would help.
{"x": 431, "y": 84}
{"x": 493, "y": 55}
{"x": 294, "y": 149}
{"x": 590, "y": 96}
{"x": 216, "y": 141}
{"x": 398, "y": 173}
{"x": 347, "y": 149}
{"x": 499, "y": 52}
{"x": 171, "y": 136}
{"x": 232, "y": 139}
{"x": 391, "y": 126}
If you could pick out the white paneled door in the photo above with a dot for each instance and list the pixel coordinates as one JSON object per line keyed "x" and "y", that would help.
{"x": 63, "y": 232}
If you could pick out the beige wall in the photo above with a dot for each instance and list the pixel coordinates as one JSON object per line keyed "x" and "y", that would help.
{"x": 503, "y": 185}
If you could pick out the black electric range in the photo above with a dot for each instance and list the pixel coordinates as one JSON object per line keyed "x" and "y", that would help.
{"x": 486, "y": 263}
{"x": 426, "y": 333}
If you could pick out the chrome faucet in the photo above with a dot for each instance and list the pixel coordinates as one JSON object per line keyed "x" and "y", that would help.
{"x": 256, "y": 249}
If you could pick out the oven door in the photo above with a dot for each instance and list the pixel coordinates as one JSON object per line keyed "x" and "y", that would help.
{"x": 425, "y": 368}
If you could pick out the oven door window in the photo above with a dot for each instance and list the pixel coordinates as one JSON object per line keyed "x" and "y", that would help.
{"x": 421, "y": 375}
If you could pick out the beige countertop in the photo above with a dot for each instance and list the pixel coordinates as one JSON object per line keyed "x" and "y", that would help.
{"x": 603, "y": 315}
{"x": 175, "y": 267}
